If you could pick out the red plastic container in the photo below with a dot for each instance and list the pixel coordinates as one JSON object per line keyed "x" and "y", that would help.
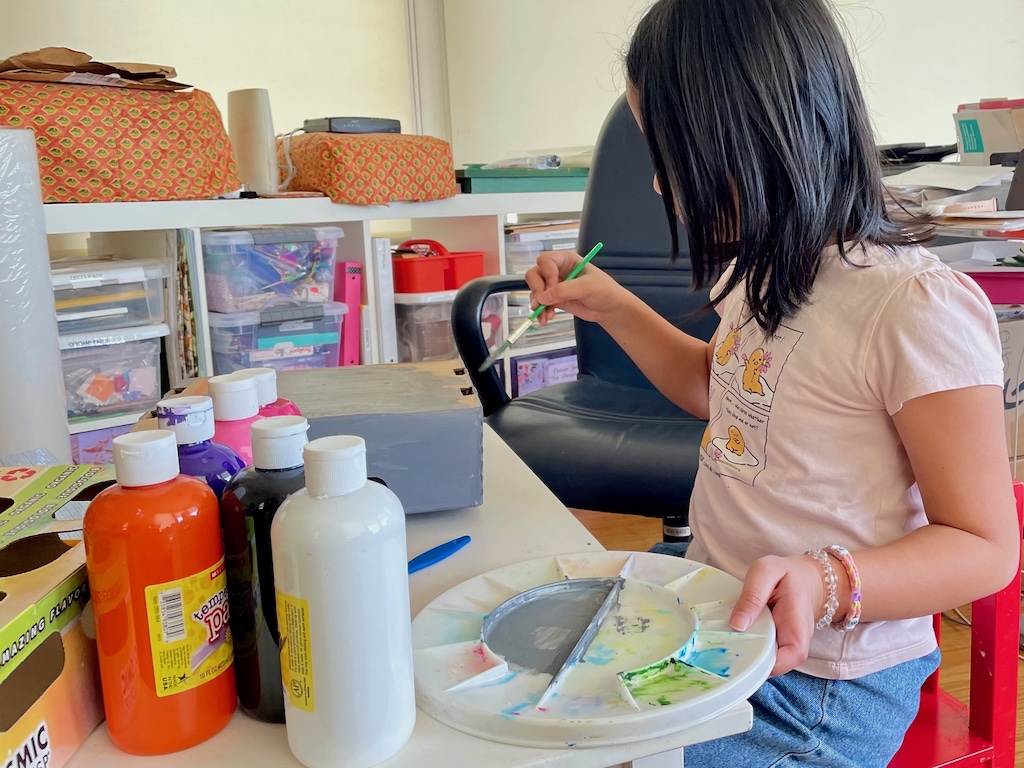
{"x": 438, "y": 270}
{"x": 1001, "y": 287}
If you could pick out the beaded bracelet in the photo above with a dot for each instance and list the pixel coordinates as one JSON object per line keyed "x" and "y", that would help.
{"x": 831, "y": 599}
{"x": 853, "y": 617}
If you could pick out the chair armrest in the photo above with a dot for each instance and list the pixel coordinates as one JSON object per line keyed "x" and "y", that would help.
{"x": 467, "y": 314}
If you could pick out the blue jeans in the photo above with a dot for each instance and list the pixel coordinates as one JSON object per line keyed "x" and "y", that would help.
{"x": 801, "y": 720}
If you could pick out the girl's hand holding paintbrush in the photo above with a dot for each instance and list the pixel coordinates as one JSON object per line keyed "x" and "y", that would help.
{"x": 592, "y": 295}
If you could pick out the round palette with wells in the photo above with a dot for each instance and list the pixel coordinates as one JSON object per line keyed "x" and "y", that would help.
{"x": 587, "y": 650}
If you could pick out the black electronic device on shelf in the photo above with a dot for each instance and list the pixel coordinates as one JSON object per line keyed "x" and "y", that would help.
{"x": 352, "y": 125}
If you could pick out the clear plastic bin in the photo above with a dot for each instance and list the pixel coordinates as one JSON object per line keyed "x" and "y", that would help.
{"x": 247, "y": 269}
{"x": 96, "y": 295}
{"x": 424, "y": 322}
{"x": 289, "y": 337}
{"x": 112, "y": 372}
{"x": 519, "y": 257}
{"x": 561, "y": 328}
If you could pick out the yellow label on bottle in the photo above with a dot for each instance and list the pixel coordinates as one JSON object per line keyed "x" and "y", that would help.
{"x": 296, "y": 650}
{"x": 189, "y": 630}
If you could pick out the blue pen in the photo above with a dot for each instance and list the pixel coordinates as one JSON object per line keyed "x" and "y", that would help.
{"x": 438, "y": 553}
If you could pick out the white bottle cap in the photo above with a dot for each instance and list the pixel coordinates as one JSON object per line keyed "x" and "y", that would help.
{"x": 277, "y": 442}
{"x": 233, "y": 398}
{"x": 145, "y": 458}
{"x": 266, "y": 383}
{"x": 335, "y": 465}
{"x": 189, "y": 418}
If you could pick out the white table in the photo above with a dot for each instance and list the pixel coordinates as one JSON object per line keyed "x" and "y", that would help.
{"x": 519, "y": 520}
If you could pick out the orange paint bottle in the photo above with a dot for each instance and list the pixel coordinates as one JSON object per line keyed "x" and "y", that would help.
{"x": 155, "y": 559}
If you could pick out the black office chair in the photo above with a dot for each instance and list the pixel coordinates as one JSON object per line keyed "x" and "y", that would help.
{"x": 608, "y": 442}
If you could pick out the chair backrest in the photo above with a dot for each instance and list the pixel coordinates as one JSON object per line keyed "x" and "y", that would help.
{"x": 947, "y": 734}
{"x": 623, "y": 211}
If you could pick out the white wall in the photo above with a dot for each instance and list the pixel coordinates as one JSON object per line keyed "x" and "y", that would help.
{"x": 535, "y": 73}
{"x": 532, "y": 74}
{"x": 316, "y": 57}
{"x": 919, "y": 59}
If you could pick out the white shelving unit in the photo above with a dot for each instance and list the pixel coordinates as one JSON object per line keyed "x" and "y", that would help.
{"x": 463, "y": 222}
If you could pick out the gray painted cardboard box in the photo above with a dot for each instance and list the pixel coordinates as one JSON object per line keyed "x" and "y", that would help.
{"x": 422, "y": 424}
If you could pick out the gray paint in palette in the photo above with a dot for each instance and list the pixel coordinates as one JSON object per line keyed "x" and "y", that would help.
{"x": 423, "y": 433}
{"x": 549, "y": 627}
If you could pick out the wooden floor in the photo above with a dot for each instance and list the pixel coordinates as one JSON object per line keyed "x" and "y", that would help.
{"x": 626, "y": 532}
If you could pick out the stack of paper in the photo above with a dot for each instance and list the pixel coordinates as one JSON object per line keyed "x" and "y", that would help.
{"x": 963, "y": 196}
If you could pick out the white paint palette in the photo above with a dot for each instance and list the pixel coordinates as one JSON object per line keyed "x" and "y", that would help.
{"x": 587, "y": 650}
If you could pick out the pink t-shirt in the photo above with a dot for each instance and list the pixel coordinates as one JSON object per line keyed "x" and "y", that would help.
{"x": 801, "y": 451}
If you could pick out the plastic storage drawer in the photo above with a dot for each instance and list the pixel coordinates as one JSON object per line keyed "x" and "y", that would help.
{"x": 96, "y": 295}
{"x": 424, "y": 324}
{"x": 112, "y": 372}
{"x": 288, "y": 338}
{"x": 520, "y": 257}
{"x": 247, "y": 269}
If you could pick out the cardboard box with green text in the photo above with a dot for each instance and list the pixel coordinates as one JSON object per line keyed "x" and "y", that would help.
{"x": 50, "y": 698}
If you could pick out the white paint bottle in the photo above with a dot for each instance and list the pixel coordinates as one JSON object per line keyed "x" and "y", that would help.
{"x": 342, "y": 584}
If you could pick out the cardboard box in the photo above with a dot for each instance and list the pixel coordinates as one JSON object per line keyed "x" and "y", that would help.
{"x": 1011, "y": 336}
{"x": 50, "y": 698}
{"x": 981, "y": 131}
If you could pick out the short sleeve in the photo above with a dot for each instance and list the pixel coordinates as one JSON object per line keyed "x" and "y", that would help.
{"x": 936, "y": 332}
{"x": 720, "y": 284}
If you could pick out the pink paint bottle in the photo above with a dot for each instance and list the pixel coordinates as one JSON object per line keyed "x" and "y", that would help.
{"x": 235, "y": 407}
{"x": 266, "y": 392}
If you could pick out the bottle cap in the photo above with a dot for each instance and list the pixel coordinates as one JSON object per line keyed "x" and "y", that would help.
{"x": 189, "y": 418}
{"x": 335, "y": 465}
{"x": 145, "y": 458}
{"x": 266, "y": 383}
{"x": 277, "y": 442}
{"x": 233, "y": 398}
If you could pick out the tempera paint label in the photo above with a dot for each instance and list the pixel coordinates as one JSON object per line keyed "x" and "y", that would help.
{"x": 189, "y": 630}
{"x": 296, "y": 650}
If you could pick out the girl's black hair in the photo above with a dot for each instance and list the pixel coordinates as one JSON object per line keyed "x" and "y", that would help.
{"x": 757, "y": 127}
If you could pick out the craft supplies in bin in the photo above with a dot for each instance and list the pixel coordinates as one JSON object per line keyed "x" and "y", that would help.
{"x": 424, "y": 323}
{"x": 247, "y": 269}
{"x": 112, "y": 372}
{"x": 285, "y": 337}
{"x": 422, "y": 266}
{"x": 96, "y": 446}
{"x": 96, "y": 295}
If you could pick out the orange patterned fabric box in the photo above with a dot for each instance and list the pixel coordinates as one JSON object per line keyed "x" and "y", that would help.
{"x": 101, "y": 144}
{"x": 371, "y": 168}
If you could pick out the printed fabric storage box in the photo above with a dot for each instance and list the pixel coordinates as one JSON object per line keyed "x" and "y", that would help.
{"x": 247, "y": 269}
{"x": 98, "y": 144}
{"x": 97, "y": 295}
{"x": 289, "y": 337}
{"x": 370, "y": 168}
{"x": 112, "y": 372}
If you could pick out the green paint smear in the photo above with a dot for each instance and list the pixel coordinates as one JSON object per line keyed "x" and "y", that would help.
{"x": 665, "y": 682}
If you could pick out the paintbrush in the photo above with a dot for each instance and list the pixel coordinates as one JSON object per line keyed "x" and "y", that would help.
{"x": 517, "y": 334}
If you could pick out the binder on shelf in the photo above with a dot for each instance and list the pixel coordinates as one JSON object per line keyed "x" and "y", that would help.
{"x": 387, "y": 331}
{"x": 366, "y": 336}
{"x": 348, "y": 288}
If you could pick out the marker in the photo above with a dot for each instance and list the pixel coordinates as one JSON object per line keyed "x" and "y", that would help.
{"x": 437, "y": 554}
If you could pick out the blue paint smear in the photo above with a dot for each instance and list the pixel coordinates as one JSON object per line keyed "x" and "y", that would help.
{"x": 515, "y": 709}
{"x": 711, "y": 660}
{"x": 599, "y": 654}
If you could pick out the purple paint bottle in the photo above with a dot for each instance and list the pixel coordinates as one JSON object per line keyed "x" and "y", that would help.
{"x": 246, "y": 510}
{"x": 191, "y": 421}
